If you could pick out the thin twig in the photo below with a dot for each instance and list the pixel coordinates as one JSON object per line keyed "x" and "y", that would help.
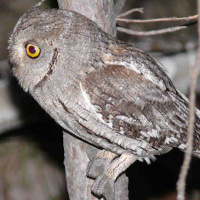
{"x": 188, "y": 154}
{"x": 130, "y": 12}
{"x": 118, "y": 6}
{"x": 168, "y": 19}
{"x": 152, "y": 32}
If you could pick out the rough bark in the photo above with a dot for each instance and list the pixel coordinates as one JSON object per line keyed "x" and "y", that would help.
{"x": 100, "y": 11}
{"x": 77, "y": 152}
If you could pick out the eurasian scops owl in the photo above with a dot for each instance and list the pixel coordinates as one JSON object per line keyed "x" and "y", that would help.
{"x": 99, "y": 88}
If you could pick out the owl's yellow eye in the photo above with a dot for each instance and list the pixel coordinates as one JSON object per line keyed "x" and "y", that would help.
{"x": 32, "y": 51}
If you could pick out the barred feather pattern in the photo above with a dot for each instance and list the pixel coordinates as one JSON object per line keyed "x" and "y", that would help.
{"x": 136, "y": 99}
{"x": 98, "y": 88}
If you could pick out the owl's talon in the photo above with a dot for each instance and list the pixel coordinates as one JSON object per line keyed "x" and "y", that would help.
{"x": 100, "y": 163}
{"x": 104, "y": 187}
{"x": 97, "y": 166}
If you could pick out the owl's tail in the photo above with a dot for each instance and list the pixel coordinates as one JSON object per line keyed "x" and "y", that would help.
{"x": 196, "y": 140}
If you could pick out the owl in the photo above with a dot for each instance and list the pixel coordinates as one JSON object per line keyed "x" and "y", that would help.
{"x": 99, "y": 89}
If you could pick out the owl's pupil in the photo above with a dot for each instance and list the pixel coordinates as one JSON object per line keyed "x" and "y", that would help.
{"x": 32, "y": 49}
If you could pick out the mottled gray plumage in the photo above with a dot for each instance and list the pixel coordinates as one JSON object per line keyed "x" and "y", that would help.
{"x": 99, "y": 88}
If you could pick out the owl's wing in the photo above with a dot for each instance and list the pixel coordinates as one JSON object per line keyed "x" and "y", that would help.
{"x": 140, "y": 62}
{"x": 136, "y": 107}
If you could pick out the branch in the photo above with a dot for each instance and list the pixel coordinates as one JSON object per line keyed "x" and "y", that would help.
{"x": 99, "y": 11}
{"x": 168, "y": 19}
{"x": 77, "y": 152}
{"x": 188, "y": 154}
{"x": 130, "y": 12}
{"x": 118, "y": 6}
{"x": 152, "y": 32}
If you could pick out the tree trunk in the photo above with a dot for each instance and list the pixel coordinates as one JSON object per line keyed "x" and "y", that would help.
{"x": 77, "y": 152}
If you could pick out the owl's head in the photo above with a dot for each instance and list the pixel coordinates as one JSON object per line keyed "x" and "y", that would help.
{"x": 39, "y": 38}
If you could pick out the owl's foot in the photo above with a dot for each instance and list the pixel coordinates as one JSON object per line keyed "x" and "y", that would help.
{"x": 104, "y": 184}
{"x": 100, "y": 163}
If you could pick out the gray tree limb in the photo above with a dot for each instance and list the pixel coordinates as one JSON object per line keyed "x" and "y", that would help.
{"x": 118, "y": 6}
{"x": 99, "y": 11}
{"x": 77, "y": 152}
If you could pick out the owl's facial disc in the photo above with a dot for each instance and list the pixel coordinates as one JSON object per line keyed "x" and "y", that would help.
{"x": 30, "y": 58}
{"x": 39, "y": 43}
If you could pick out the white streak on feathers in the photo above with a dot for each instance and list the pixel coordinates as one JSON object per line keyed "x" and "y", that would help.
{"x": 126, "y": 119}
{"x": 140, "y": 69}
{"x": 182, "y": 146}
{"x": 87, "y": 99}
{"x": 94, "y": 109}
{"x": 168, "y": 140}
